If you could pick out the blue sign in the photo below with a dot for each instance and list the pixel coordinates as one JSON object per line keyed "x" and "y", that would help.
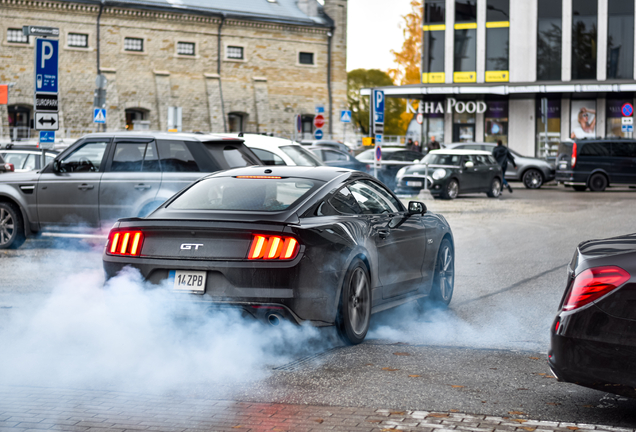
{"x": 318, "y": 134}
{"x": 378, "y": 139}
{"x": 345, "y": 116}
{"x": 627, "y": 128}
{"x": 627, "y": 110}
{"x": 99, "y": 115}
{"x": 320, "y": 109}
{"x": 47, "y": 137}
{"x": 378, "y": 106}
{"x": 46, "y": 65}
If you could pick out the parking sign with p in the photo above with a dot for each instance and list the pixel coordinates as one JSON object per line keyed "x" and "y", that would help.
{"x": 378, "y": 106}
{"x": 46, "y": 65}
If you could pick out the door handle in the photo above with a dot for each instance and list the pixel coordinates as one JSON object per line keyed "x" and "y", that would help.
{"x": 384, "y": 233}
{"x": 85, "y": 186}
{"x": 142, "y": 186}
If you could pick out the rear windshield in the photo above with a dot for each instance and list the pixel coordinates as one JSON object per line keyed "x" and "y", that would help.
{"x": 245, "y": 194}
{"x": 231, "y": 155}
{"x": 441, "y": 159}
{"x": 300, "y": 156}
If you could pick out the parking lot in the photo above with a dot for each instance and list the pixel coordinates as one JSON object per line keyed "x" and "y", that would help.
{"x": 109, "y": 361}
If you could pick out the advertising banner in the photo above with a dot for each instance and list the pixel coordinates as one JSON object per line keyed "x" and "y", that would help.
{"x": 583, "y": 119}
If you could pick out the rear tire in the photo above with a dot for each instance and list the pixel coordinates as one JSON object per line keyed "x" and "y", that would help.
{"x": 354, "y": 310}
{"x": 598, "y": 182}
{"x": 451, "y": 190}
{"x": 11, "y": 226}
{"x": 532, "y": 179}
{"x": 495, "y": 188}
{"x": 579, "y": 188}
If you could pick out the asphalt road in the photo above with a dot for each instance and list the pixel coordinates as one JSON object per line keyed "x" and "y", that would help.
{"x": 485, "y": 355}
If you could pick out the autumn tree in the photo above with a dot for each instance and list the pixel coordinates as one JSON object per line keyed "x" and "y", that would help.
{"x": 359, "y": 105}
{"x": 408, "y": 60}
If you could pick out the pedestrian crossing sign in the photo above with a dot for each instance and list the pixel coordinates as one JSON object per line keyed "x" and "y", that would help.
{"x": 99, "y": 115}
{"x": 345, "y": 116}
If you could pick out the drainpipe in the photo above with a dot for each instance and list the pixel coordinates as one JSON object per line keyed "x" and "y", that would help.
{"x": 330, "y": 36}
{"x": 218, "y": 71}
{"x": 99, "y": 17}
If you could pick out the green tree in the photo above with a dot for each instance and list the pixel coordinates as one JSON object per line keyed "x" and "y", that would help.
{"x": 359, "y": 105}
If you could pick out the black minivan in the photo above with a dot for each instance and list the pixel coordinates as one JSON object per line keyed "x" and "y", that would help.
{"x": 596, "y": 163}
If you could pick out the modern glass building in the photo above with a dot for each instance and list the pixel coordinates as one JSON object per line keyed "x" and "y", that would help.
{"x": 487, "y": 65}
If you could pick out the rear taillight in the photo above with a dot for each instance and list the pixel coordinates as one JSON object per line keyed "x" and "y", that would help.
{"x": 125, "y": 243}
{"x": 9, "y": 167}
{"x": 573, "y": 162}
{"x": 273, "y": 248}
{"x": 594, "y": 283}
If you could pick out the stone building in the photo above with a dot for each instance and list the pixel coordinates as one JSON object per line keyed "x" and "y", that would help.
{"x": 239, "y": 65}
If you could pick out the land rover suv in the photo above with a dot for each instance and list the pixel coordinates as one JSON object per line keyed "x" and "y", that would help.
{"x": 107, "y": 176}
{"x": 596, "y": 163}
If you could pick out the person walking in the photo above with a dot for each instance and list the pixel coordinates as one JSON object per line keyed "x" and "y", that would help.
{"x": 433, "y": 145}
{"x": 409, "y": 143}
{"x": 503, "y": 155}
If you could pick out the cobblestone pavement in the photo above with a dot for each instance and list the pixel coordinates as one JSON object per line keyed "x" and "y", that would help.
{"x": 33, "y": 409}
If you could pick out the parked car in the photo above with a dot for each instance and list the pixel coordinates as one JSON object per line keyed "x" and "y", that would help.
{"x": 106, "y": 176}
{"x": 5, "y": 167}
{"x": 596, "y": 163}
{"x": 593, "y": 335}
{"x": 337, "y": 158}
{"x": 328, "y": 143}
{"x": 393, "y": 159}
{"x": 533, "y": 172}
{"x": 312, "y": 245}
{"x": 277, "y": 151}
{"x": 452, "y": 172}
{"x": 27, "y": 158}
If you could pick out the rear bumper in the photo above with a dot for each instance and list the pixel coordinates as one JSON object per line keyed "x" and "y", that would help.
{"x": 296, "y": 290}
{"x": 571, "y": 178}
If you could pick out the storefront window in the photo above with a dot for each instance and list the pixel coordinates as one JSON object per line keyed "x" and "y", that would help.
{"x": 584, "y": 39}
{"x": 549, "y": 40}
{"x": 496, "y": 122}
{"x": 463, "y": 127}
{"x": 620, "y": 40}
{"x": 435, "y": 128}
{"x": 583, "y": 119}
{"x": 548, "y": 145}
{"x": 614, "y": 119}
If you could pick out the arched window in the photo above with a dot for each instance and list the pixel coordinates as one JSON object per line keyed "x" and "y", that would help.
{"x": 236, "y": 122}
{"x": 137, "y": 119}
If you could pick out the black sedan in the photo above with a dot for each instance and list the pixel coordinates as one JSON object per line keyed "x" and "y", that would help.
{"x": 593, "y": 338}
{"x": 452, "y": 172}
{"x": 319, "y": 245}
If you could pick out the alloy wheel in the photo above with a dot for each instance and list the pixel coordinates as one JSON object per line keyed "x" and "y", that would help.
{"x": 532, "y": 179}
{"x": 446, "y": 273}
{"x": 453, "y": 189}
{"x": 7, "y": 226}
{"x": 359, "y": 307}
{"x": 495, "y": 188}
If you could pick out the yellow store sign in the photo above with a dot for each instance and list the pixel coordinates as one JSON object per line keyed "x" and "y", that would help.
{"x": 465, "y": 77}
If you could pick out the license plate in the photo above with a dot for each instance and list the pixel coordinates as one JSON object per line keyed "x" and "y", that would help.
{"x": 190, "y": 281}
{"x": 414, "y": 183}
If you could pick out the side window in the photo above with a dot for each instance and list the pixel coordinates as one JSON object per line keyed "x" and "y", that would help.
{"x": 480, "y": 160}
{"x": 86, "y": 158}
{"x": 17, "y": 159}
{"x": 372, "y": 199}
{"x": 268, "y": 158}
{"x": 344, "y": 202}
{"x": 29, "y": 164}
{"x": 333, "y": 156}
{"x": 135, "y": 157}
{"x": 235, "y": 158}
{"x": 492, "y": 160}
{"x": 595, "y": 149}
{"x": 624, "y": 149}
{"x": 469, "y": 158}
{"x": 48, "y": 159}
{"x": 176, "y": 157}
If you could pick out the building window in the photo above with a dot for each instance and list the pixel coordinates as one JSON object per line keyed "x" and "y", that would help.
{"x": 497, "y": 40}
{"x": 306, "y": 58}
{"x": 548, "y": 145}
{"x": 584, "y": 39}
{"x": 549, "y": 40}
{"x": 465, "y": 50}
{"x": 434, "y": 31}
{"x": 133, "y": 44}
{"x": 236, "y": 122}
{"x": 620, "y": 40}
{"x": 235, "y": 53}
{"x": 186, "y": 48}
{"x": 136, "y": 119}
{"x": 77, "y": 40}
{"x": 463, "y": 127}
{"x": 496, "y": 122}
{"x": 16, "y": 36}
{"x": 614, "y": 118}
{"x": 465, "y": 11}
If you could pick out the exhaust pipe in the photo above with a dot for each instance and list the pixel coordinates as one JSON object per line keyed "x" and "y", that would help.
{"x": 274, "y": 319}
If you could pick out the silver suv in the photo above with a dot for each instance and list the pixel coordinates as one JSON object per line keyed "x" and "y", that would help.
{"x": 104, "y": 177}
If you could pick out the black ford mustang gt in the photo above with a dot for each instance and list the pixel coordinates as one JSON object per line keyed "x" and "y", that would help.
{"x": 309, "y": 244}
{"x": 593, "y": 338}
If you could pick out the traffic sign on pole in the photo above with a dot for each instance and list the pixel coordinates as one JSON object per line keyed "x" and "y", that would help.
{"x": 47, "y": 137}
{"x": 378, "y": 106}
{"x": 99, "y": 115}
{"x": 46, "y": 65}
{"x": 318, "y": 134}
{"x": 345, "y": 116}
{"x": 627, "y": 109}
{"x": 46, "y": 121}
{"x": 319, "y": 121}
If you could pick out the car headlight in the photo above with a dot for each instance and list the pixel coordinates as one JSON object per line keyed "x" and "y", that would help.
{"x": 439, "y": 174}
{"x": 401, "y": 173}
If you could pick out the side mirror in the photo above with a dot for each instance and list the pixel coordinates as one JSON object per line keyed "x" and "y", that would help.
{"x": 469, "y": 164}
{"x": 56, "y": 165}
{"x": 416, "y": 207}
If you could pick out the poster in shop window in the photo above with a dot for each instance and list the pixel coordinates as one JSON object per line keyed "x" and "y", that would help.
{"x": 583, "y": 119}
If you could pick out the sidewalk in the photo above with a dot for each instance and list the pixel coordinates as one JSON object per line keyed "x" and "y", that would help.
{"x": 35, "y": 409}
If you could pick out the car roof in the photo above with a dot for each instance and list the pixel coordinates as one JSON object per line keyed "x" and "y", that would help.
{"x": 315, "y": 147}
{"x": 260, "y": 140}
{"x": 460, "y": 152}
{"x": 323, "y": 173}
{"x": 186, "y": 136}
{"x": 20, "y": 149}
